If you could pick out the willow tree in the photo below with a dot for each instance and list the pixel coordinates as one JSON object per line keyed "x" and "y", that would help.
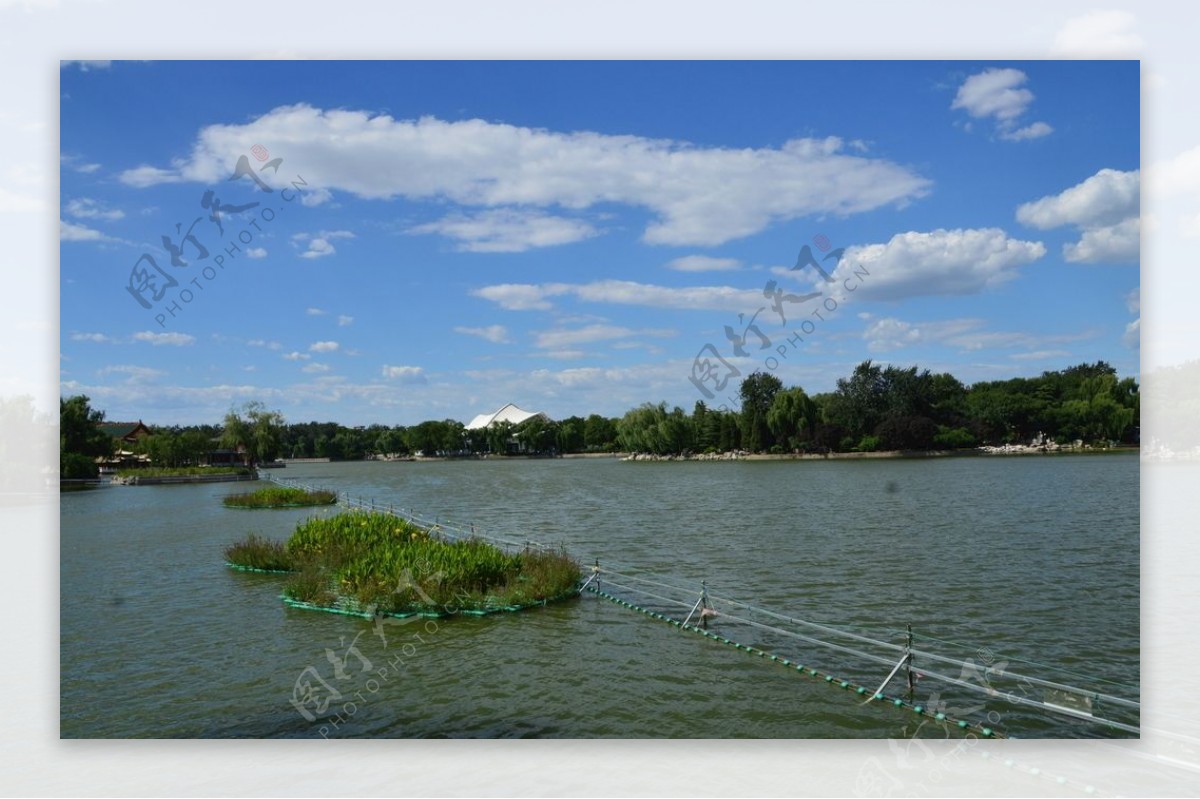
{"x": 255, "y": 430}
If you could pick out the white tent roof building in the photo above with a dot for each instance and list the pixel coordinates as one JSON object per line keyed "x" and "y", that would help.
{"x": 509, "y": 413}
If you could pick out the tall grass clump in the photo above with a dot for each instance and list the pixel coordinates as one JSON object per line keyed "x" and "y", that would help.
{"x": 374, "y": 561}
{"x": 280, "y": 497}
{"x": 259, "y": 553}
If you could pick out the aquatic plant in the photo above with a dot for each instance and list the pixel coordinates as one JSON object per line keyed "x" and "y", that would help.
{"x": 280, "y": 497}
{"x": 259, "y": 553}
{"x": 377, "y": 562}
{"x": 181, "y": 471}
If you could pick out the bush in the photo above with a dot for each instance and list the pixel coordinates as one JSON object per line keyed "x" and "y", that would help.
{"x": 867, "y": 444}
{"x": 954, "y": 438}
{"x": 280, "y": 497}
{"x": 375, "y": 561}
{"x": 73, "y": 466}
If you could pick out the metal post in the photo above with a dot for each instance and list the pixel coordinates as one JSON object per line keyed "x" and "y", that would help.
{"x": 912, "y": 684}
{"x": 703, "y": 603}
{"x": 596, "y": 571}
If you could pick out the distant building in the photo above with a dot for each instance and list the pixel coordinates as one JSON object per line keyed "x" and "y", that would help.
{"x": 126, "y": 433}
{"x": 125, "y": 436}
{"x": 509, "y": 413}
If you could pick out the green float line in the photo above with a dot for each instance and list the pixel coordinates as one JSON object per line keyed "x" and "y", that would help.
{"x": 427, "y": 614}
{"x": 253, "y": 570}
{"x": 829, "y": 679}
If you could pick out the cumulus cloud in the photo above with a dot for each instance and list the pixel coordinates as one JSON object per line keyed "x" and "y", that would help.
{"x": 296, "y": 356}
{"x": 697, "y": 195}
{"x": 999, "y": 94}
{"x": 405, "y": 374}
{"x": 256, "y": 252}
{"x": 344, "y": 320}
{"x": 85, "y": 66}
{"x": 315, "y": 368}
{"x": 160, "y": 339}
{"x": 506, "y": 230}
{"x": 497, "y": 334}
{"x": 319, "y": 245}
{"x": 1133, "y": 334}
{"x": 315, "y": 311}
{"x": 940, "y": 262}
{"x": 1119, "y": 243}
{"x": 324, "y": 346}
{"x": 704, "y": 263}
{"x": 1104, "y": 207}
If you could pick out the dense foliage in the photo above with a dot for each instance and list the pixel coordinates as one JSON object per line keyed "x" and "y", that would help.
{"x": 377, "y": 561}
{"x": 81, "y": 441}
{"x": 895, "y": 408}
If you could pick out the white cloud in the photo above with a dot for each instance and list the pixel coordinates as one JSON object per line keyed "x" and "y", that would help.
{"x": 888, "y": 334}
{"x": 315, "y": 312}
{"x": 1107, "y": 197}
{"x": 260, "y": 342}
{"x": 560, "y": 339}
{"x": 497, "y": 334}
{"x": 68, "y": 231}
{"x": 159, "y": 339}
{"x": 998, "y": 94}
{"x": 704, "y": 263}
{"x": 698, "y": 195}
{"x": 1133, "y": 334}
{"x": 524, "y": 296}
{"x": 315, "y": 368}
{"x": 134, "y": 374}
{"x": 1039, "y": 355}
{"x": 319, "y": 244}
{"x": 405, "y": 374}
{"x": 562, "y": 355}
{"x": 1034, "y": 131}
{"x": 1098, "y": 34}
{"x": 1104, "y": 207}
{"x": 941, "y": 262}
{"x": 98, "y": 338}
{"x": 318, "y": 248}
{"x": 324, "y": 346}
{"x": 506, "y": 230}
{"x": 314, "y": 197}
{"x": 1133, "y": 300}
{"x": 1119, "y": 243}
{"x": 296, "y": 356}
{"x": 256, "y": 252}
{"x": 144, "y": 176}
{"x": 344, "y": 321}
{"x": 87, "y": 208}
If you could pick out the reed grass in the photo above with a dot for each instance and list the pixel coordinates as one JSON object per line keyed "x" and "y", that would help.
{"x": 259, "y": 553}
{"x": 280, "y": 497}
{"x": 375, "y": 561}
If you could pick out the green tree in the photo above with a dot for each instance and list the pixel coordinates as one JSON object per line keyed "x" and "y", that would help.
{"x": 757, "y": 392}
{"x": 792, "y": 417}
{"x": 599, "y": 433}
{"x": 81, "y": 440}
{"x": 254, "y": 429}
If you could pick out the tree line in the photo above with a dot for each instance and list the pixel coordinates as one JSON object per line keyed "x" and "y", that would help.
{"x": 894, "y": 408}
{"x": 874, "y": 408}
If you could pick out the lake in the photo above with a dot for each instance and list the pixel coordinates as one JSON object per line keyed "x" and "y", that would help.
{"x": 1031, "y": 562}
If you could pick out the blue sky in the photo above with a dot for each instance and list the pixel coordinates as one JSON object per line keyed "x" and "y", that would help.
{"x": 446, "y": 237}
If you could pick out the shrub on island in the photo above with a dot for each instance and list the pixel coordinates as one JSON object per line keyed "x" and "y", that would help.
{"x": 368, "y": 563}
{"x": 280, "y": 497}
